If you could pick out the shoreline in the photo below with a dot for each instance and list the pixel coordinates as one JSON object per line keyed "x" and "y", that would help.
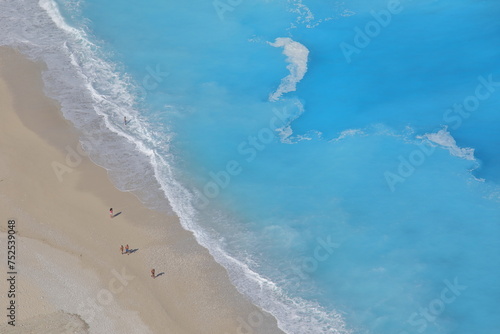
{"x": 70, "y": 266}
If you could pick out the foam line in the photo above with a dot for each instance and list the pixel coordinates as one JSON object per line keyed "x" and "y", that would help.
{"x": 297, "y": 55}
{"x": 445, "y": 139}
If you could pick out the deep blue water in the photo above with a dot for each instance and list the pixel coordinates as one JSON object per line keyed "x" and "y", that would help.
{"x": 363, "y": 200}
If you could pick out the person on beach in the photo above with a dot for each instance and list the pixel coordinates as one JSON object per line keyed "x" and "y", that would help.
{"x": 127, "y": 250}
{"x": 153, "y": 273}
{"x": 125, "y": 120}
{"x": 121, "y": 248}
{"x": 111, "y": 213}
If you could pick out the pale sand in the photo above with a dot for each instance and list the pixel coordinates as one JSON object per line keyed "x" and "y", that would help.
{"x": 71, "y": 275}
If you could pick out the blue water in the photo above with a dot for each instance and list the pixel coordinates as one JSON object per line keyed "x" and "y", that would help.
{"x": 365, "y": 199}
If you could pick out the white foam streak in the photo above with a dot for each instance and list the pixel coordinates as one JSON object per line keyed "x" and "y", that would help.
{"x": 348, "y": 133}
{"x": 53, "y": 11}
{"x": 443, "y": 138}
{"x": 306, "y": 17}
{"x": 285, "y": 132}
{"x": 297, "y": 55}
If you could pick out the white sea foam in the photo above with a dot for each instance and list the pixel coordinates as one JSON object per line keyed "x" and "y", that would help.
{"x": 53, "y": 11}
{"x": 295, "y": 109}
{"x": 348, "y": 133}
{"x": 444, "y": 138}
{"x": 306, "y": 17}
{"x": 95, "y": 97}
{"x": 297, "y": 55}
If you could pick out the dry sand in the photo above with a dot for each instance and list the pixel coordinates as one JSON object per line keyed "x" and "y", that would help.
{"x": 71, "y": 276}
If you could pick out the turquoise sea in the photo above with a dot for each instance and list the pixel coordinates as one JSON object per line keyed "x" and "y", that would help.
{"x": 339, "y": 158}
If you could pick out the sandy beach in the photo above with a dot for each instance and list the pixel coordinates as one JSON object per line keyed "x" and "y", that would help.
{"x": 70, "y": 274}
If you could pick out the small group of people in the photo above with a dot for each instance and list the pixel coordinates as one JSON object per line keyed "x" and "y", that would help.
{"x": 126, "y": 249}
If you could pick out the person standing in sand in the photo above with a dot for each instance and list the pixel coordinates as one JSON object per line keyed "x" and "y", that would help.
{"x": 111, "y": 213}
{"x": 153, "y": 273}
{"x": 127, "y": 250}
{"x": 125, "y": 120}
{"x": 121, "y": 248}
